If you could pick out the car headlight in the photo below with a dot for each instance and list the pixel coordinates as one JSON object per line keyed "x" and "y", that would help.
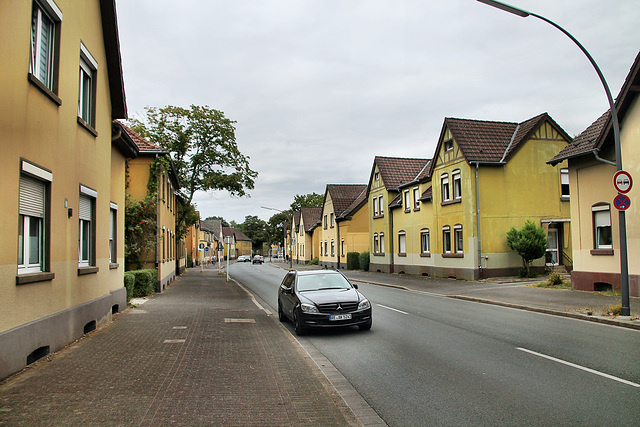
{"x": 309, "y": 308}
{"x": 364, "y": 304}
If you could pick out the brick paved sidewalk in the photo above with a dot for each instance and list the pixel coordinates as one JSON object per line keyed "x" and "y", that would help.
{"x": 199, "y": 354}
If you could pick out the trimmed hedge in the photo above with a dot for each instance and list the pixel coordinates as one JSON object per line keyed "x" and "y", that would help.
{"x": 129, "y": 283}
{"x": 364, "y": 261}
{"x": 145, "y": 282}
{"x": 314, "y": 261}
{"x": 353, "y": 260}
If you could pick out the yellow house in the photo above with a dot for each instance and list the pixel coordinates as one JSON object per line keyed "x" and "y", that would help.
{"x": 387, "y": 175}
{"x": 243, "y": 244}
{"x": 596, "y": 225}
{"x": 63, "y": 174}
{"x": 152, "y": 175}
{"x": 343, "y": 225}
{"x": 306, "y": 222}
{"x": 487, "y": 177}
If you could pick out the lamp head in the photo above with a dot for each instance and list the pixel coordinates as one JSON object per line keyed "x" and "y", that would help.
{"x": 506, "y": 8}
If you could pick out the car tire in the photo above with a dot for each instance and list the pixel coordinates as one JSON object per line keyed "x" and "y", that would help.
{"x": 297, "y": 324}
{"x": 281, "y": 316}
{"x": 365, "y": 326}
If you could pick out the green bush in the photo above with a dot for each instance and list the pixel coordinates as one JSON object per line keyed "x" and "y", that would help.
{"x": 555, "y": 279}
{"x": 364, "y": 261}
{"x": 353, "y": 260}
{"x": 189, "y": 261}
{"x": 129, "y": 283}
{"x": 314, "y": 261}
{"x": 146, "y": 282}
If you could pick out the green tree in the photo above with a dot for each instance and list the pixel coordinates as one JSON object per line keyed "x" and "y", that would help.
{"x": 255, "y": 229}
{"x": 276, "y": 227}
{"x": 530, "y": 242}
{"x": 307, "y": 201}
{"x": 202, "y": 145}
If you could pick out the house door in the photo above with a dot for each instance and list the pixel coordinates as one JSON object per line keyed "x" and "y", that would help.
{"x": 553, "y": 253}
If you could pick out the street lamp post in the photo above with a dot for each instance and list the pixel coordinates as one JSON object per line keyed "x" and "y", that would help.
{"x": 624, "y": 267}
{"x": 290, "y": 234}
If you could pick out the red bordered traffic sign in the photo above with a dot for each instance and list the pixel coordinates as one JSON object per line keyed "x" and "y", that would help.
{"x": 622, "y": 181}
{"x": 622, "y": 202}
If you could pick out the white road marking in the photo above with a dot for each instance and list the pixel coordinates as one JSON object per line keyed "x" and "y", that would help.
{"x": 573, "y": 365}
{"x": 392, "y": 309}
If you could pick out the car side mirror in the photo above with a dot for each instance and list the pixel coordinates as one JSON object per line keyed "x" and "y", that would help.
{"x": 354, "y": 286}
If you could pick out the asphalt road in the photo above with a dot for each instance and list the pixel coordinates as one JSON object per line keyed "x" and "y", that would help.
{"x": 436, "y": 361}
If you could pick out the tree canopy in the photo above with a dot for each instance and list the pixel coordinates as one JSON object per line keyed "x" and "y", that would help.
{"x": 307, "y": 201}
{"x": 530, "y": 242}
{"x": 202, "y": 145}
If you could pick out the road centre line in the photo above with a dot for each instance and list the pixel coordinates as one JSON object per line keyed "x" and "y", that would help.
{"x": 392, "y": 309}
{"x": 573, "y": 365}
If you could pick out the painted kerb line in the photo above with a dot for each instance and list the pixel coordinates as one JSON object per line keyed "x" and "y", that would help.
{"x": 573, "y": 365}
{"x": 392, "y": 309}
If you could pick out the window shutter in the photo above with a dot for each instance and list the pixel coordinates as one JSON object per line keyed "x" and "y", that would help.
{"x": 84, "y": 211}
{"x": 602, "y": 218}
{"x": 31, "y": 197}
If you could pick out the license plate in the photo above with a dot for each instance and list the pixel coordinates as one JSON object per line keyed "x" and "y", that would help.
{"x": 340, "y": 317}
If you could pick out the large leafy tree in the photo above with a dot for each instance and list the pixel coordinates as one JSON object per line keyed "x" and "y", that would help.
{"x": 530, "y": 242}
{"x": 256, "y": 229}
{"x": 202, "y": 145}
{"x": 218, "y": 218}
{"x": 306, "y": 201}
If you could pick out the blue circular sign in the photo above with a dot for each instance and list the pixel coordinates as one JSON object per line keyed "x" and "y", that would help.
{"x": 622, "y": 202}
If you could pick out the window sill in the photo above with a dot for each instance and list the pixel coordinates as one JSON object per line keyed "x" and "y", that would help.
{"x": 23, "y": 279}
{"x": 87, "y": 270}
{"x": 402, "y": 254}
{"x": 601, "y": 251}
{"x": 453, "y": 255}
{"x": 88, "y": 127}
{"x": 425, "y": 255}
{"x": 565, "y": 199}
{"x": 114, "y": 266}
{"x": 451, "y": 202}
{"x": 378, "y": 254}
{"x": 378, "y": 216}
{"x": 37, "y": 83}
{"x": 416, "y": 209}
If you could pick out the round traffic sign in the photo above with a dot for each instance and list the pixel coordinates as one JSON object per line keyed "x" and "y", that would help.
{"x": 622, "y": 181}
{"x": 622, "y": 202}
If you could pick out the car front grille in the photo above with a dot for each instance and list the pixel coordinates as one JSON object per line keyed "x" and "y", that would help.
{"x": 345, "y": 307}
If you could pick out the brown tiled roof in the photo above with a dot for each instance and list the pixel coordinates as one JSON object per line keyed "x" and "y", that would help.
{"x": 230, "y": 231}
{"x": 601, "y": 131}
{"x": 397, "y": 202}
{"x": 396, "y": 171}
{"x": 296, "y": 219}
{"x": 143, "y": 144}
{"x": 428, "y": 194}
{"x": 343, "y": 196}
{"x": 493, "y": 142}
{"x": 311, "y": 217}
{"x": 356, "y": 205}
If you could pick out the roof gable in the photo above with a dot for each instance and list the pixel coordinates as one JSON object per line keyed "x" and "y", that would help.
{"x": 311, "y": 217}
{"x": 343, "y": 197}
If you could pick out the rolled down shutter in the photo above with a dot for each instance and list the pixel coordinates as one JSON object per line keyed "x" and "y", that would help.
{"x": 84, "y": 211}
{"x": 31, "y": 197}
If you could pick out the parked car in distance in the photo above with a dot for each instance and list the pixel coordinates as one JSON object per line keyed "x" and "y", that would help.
{"x": 257, "y": 259}
{"x": 244, "y": 258}
{"x": 322, "y": 299}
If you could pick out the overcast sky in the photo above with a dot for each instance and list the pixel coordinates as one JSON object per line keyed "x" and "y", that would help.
{"x": 320, "y": 87}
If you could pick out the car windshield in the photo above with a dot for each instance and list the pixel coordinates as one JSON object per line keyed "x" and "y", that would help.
{"x": 322, "y": 282}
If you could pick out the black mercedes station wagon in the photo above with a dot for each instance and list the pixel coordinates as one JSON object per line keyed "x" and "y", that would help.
{"x": 322, "y": 299}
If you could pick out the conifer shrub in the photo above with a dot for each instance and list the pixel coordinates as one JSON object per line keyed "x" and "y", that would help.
{"x": 364, "y": 261}
{"x": 353, "y": 260}
{"x": 129, "y": 284}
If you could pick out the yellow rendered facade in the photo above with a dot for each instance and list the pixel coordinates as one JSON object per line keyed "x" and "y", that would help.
{"x": 592, "y": 183}
{"x": 329, "y": 234}
{"x": 379, "y": 223}
{"x": 303, "y": 247}
{"x": 62, "y": 291}
{"x": 353, "y": 234}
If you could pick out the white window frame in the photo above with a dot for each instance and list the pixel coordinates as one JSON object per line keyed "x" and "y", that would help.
{"x": 113, "y": 233}
{"x": 456, "y": 177}
{"x": 376, "y": 244}
{"x": 458, "y": 239}
{"x": 564, "y": 184}
{"x": 342, "y": 247}
{"x": 381, "y": 205}
{"x": 444, "y": 186}
{"x": 32, "y": 209}
{"x": 425, "y": 244}
{"x": 448, "y": 145}
{"x": 87, "y": 87}
{"x": 402, "y": 242}
{"x": 416, "y": 198}
{"x": 43, "y": 57}
{"x": 375, "y": 206}
{"x": 332, "y": 219}
{"x": 601, "y": 218}
{"x": 381, "y": 235}
{"x": 333, "y": 248}
{"x": 407, "y": 201}
{"x": 446, "y": 239}
{"x": 86, "y": 237}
